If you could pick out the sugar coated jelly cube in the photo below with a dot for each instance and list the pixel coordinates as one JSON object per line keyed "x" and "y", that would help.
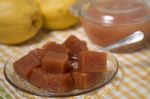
{"x": 91, "y": 61}
{"x": 52, "y": 82}
{"x": 53, "y": 47}
{"x": 86, "y": 80}
{"x": 75, "y": 46}
{"x": 55, "y": 62}
{"x": 25, "y": 64}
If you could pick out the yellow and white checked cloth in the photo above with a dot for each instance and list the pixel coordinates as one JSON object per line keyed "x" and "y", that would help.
{"x": 132, "y": 81}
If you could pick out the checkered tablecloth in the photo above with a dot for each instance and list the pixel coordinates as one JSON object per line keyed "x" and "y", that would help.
{"x": 131, "y": 82}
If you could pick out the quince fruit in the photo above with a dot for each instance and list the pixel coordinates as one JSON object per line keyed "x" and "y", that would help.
{"x": 56, "y": 14}
{"x": 19, "y": 21}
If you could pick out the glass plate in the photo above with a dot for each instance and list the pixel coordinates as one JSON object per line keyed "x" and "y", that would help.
{"x": 25, "y": 86}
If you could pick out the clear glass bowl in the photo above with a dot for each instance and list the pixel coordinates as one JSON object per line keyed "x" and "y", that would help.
{"x": 25, "y": 86}
{"x": 108, "y": 21}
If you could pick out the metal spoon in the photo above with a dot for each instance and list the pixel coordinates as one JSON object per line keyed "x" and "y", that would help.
{"x": 131, "y": 39}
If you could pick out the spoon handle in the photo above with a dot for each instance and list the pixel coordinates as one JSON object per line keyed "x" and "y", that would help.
{"x": 133, "y": 38}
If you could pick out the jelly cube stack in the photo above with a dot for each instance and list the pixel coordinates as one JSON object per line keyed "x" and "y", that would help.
{"x": 62, "y": 67}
